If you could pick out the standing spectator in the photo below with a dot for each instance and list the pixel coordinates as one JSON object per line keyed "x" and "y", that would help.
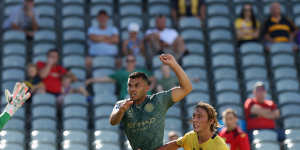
{"x": 24, "y": 18}
{"x": 33, "y": 80}
{"x": 121, "y": 77}
{"x": 167, "y": 81}
{"x": 234, "y": 136}
{"x": 162, "y": 38}
{"x": 103, "y": 39}
{"x": 51, "y": 72}
{"x": 278, "y": 28}
{"x": 188, "y": 8}
{"x": 133, "y": 45}
{"x": 247, "y": 27}
{"x": 261, "y": 113}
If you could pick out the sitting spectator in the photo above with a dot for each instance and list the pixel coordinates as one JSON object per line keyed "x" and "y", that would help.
{"x": 261, "y": 113}
{"x": 188, "y": 8}
{"x": 278, "y": 28}
{"x": 247, "y": 27}
{"x": 234, "y": 136}
{"x": 167, "y": 81}
{"x": 67, "y": 87}
{"x": 103, "y": 39}
{"x": 33, "y": 81}
{"x": 162, "y": 38}
{"x": 24, "y": 18}
{"x": 51, "y": 72}
{"x": 133, "y": 45}
{"x": 121, "y": 77}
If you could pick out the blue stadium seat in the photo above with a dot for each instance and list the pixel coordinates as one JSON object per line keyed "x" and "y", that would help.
{"x": 251, "y": 47}
{"x": 159, "y": 9}
{"x": 75, "y": 124}
{"x": 225, "y": 73}
{"x": 75, "y": 112}
{"x": 288, "y": 97}
{"x": 228, "y": 98}
{"x": 44, "y": 136}
{"x": 223, "y": 61}
{"x": 195, "y": 97}
{"x": 43, "y": 112}
{"x": 44, "y": 124}
{"x": 75, "y": 99}
{"x": 14, "y": 49}
{"x": 74, "y": 61}
{"x": 103, "y": 62}
{"x": 285, "y": 72}
{"x": 173, "y": 123}
{"x": 13, "y": 74}
{"x": 42, "y": 48}
{"x": 193, "y": 61}
{"x": 73, "y": 48}
{"x": 218, "y": 9}
{"x": 73, "y": 22}
{"x": 222, "y": 48}
{"x": 105, "y": 136}
{"x": 130, "y": 9}
{"x": 195, "y": 47}
{"x": 264, "y": 135}
{"x": 227, "y": 85}
{"x": 73, "y": 10}
{"x": 13, "y": 136}
{"x": 103, "y": 110}
{"x": 102, "y": 99}
{"x": 214, "y": 22}
{"x": 76, "y": 136}
{"x": 189, "y": 22}
{"x": 253, "y": 60}
{"x": 104, "y": 124}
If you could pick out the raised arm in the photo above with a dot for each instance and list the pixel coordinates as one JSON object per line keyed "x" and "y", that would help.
{"x": 119, "y": 111}
{"x": 185, "y": 85}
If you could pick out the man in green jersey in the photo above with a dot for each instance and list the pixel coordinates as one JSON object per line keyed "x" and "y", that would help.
{"x": 142, "y": 115}
{"x": 15, "y": 101}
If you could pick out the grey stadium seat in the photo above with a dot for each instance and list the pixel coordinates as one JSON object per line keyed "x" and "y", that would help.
{"x": 283, "y": 60}
{"x": 76, "y": 136}
{"x": 13, "y": 61}
{"x": 289, "y": 97}
{"x": 292, "y": 134}
{"x": 285, "y": 72}
{"x": 46, "y": 23}
{"x": 237, "y": 108}
{"x": 253, "y": 60}
{"x": 193, "y": 61}
{"x": 13, "y": 35}
{"x": 196, "y": 73}
{"x": 251, "y": 47}
{"x": 159, "y": 9}
{"x": 281, "y": 48}
{"x": 14, "y": 48}
{"x": 218, "y": 9}
{"x": 44, "y": 99}
{"x": 43, "y": 112}
{"x": 74, "y": 61}
{"x": 125, "y": 21}
{"x": 225, "y": 73}
{"x": 130, "y": 10}
{"x": 103, "y": 72}
{"x": 227, "y": 85}
{"x": 102, "y": 99}
{"x": 42, "y": 48}
{"x": 73, "y": 22}
{"x": 104, "y": 136}
{"x": 79, "y": 73}
{"x": 103, "y": 110}
{"x": 103, "y": 62}
{"x": 75, "y": 111}
{"x": 13, "y": 74}
{"x": 223, "y": 61}
{"x": 173, "y": 123}
{"x": 74, "y": 35}
{"x": 41, "y": 146}
{"x": 73, "y": 48}
{"x": 13, "y": 136}
{"x": 264, "y": 135}
{"x": 189, "y": 22}
{"x": 291, "y": 122}
{"x": 104, "y": 124}
{"x": 14, "y": 146}
{"x": 214, "y": 22}
{"x": 152, "y": 22}
{"x": 267, "y": 146}
{"x": 255, "y": 73}
{"x": 222, "y": 47}
{"x": 95, "y": 8}
{"x": 75, "y": 124}
{"x": 174, "y": 112}
{"x": 73, "y": 10}
{"x": 195, "y": 47}
{"x": 46, "y": 10}
{"x": 45, "y": 35}
{"x": 75, "y": 99}
{"x": 195, "y": 97}
{"x": 192, "y": 34}
{"x": 228, "y": 97}
{"x": 287, "y": 85}
{"x": 74, "y": 146}
{"x": 104, "y": 88}
{"x": 15, "y": 124}
{"x": 44, "y": 136}
{"x": 44, "y": 124}
{"x": 289, "y": 110}
{"x": 220, "y": 34}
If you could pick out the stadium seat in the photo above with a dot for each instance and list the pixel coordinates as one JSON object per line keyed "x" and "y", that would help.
{"x": 73, "y": 48}
{"x": 267, "y": 146}
{"x": 10, "y": 146}
{"x": 220, "y": 35}
{"x": 251, "y": 47}
{"x": 250, "y": 84}
{"x": 223, "y": 61}
{"x": 228, "y": 97}
{"x": 13, "y": 62}
{"x": 214, "y": 22}
{"x": 279, "y": 48}
{"x": 196, "y": 73}
{"x": 102, "y": 99}
{"x": 8, "y": 85}
{"x": 39, "y": 2}
{"x": 292, "y": 134}
{"x": 237, "y": 108}
{"x": 293, "y": 146}
{"x": 218, "y": 9}
{"x": 193, "y": 61}
{"x": 42, "y": 48}
{"x": 285, "y": 72}
{"x": 104, "y": 88}
{"x": 289, "y": 110}
{"x": 75, "y": 99}
{"x": 192, "y": 35}
{"x": 174, "y": 111}
{"x": 14, "y": 49}
{"x": 173, "y": 123}
{"x": 227, "y": 85}
{"x": 103, "y": 110}
{"x": 222, "y": 48}
{"x": 103, "y": 62}
{"x": 74, "y": 61}
{"x": 44, "y": 99}
{"x": 43, "y": 124}
{"x": 291, "y": 122}
{"x": 282, "y": 60}
{"x": 104, "y": 124}
{"x": 76, "y": 136}
{"x": 225, "y": 73}
{"x": 125, "y": 21}
{"x": 73, "y": 10}
{"x": 101, "y": 1}
{"x": 287, "y": 85}
{"x": 195, "y": 47}
{"x": 45, "y": 111}
{"x": 152, "y": 23}
{"x": 36, "y": 145}
{"x": 102, "y": 72}
{"x": 74, "y": 35}
{"x": 130, "y": 9}
{"x": 195, "y": 97}
{"x": 200, "y": 85}
{"x": 67, "y": 145}
{"x": 15, "y": 124}
{"x": 75, "y": 124}
{"x": 44, "y": 136}
{"x": 46, "y": 23}
{"x": 255, "y": 73}
{"x": 79, "y": 73}
{"x": 12, "y": 136}
{"x": 264, "y": 135}
{"x": 253, "y": 60}
{"x": 46, "y": 10}
{"x": 45, "y": 35}
{"x": 73, "y": 2}
{"x": 288, "y": 97}
{"x": 73, "y": 22}
{"x": 105, "y": 136}
{"x": 75, "y": 112}
{"x": 189, "y": 22}
{"x": 13, "y": 35}
{"x": 158, "y": 9}
{"x": 13, "y": 74}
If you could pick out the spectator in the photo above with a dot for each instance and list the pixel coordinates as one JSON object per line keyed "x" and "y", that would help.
{"x": 103, "y": 38}
{"x": 67, "y": 87}
{"x": 172, "y": 135}
{"x": 162, "y": 38}
{"x": 24, "y": 18}
{"x": 33, "y": 81}
{"x": 247, "y": 27}
{"x": 167, "y": 81}
{"x": 234, "y": 136}
{"x": 121, "y": 77}
{"x": 188, "y": 8}
{"x": 51, "y": 72}
{"x": 278, "y": 28}
{"x": 260, "y": 113}
{"x": 133, "y": 45}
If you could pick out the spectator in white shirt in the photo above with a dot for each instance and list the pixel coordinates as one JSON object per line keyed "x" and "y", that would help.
{"x": 161, "y": 38}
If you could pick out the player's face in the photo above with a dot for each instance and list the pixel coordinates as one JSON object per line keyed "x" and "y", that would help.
{"x": 200, "y": 120}
{"x": 137, "y": 88}
{"x": 230, "y": 121}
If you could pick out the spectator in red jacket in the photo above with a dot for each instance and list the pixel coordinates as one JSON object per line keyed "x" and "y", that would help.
{"x": 51, "y": 72}
{"x": 234, "y": 136}
{"x": 261, "y": 113}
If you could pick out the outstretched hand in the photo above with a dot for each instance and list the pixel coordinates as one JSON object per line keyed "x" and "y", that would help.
{"x": 167, "y": 59}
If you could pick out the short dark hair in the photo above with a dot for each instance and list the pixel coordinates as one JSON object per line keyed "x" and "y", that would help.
{"x": 52, "y": 50}
{"x": 102, "y": 12}
{"x": 142, "y": 75}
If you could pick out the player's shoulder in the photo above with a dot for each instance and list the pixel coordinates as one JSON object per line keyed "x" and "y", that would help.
{"x": 220, "y": 143}
{"x": 190, "y": 134}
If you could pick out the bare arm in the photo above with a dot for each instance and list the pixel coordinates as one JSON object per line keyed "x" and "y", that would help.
{"x": 119, "y": 111}
{"x": 185, "y": 85}
{"x": 169, "y": 146}
{"x": 266, "y": 113}
{"x": 97, "y": 38}
{"x": 35, "y": 24}
{"x": 45, "y": 71}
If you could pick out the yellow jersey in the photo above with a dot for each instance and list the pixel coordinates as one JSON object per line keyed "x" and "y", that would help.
{"x": 246, "y": 27}
{"x": 190, "y": 142}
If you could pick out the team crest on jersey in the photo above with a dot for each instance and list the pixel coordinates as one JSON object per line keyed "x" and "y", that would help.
{"x": 130, "y": 113}
{"x": 149, "y": 107}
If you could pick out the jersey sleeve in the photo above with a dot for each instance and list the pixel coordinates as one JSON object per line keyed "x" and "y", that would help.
{"x": 4, "y": 117}
{"x": 166, "y": 99}
{"x": 181, "y": 141}
{"x": 244, "y": 142}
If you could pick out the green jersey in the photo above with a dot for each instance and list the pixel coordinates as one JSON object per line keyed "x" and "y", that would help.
{"x": 4, "y": 117}
{"x": 144, "y": 124}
